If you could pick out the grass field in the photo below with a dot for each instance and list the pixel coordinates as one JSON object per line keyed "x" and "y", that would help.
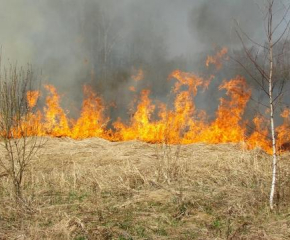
{"x": 95, "y": 189}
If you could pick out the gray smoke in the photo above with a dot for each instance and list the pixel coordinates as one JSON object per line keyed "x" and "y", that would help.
{"x": 102, "y": 42}
{"x": 215, "y": 22}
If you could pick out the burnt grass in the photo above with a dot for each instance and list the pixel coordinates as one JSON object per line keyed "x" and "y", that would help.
{"x": 95, "y": 189}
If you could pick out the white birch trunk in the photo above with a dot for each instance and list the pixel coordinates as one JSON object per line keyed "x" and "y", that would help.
{"x": 274, "y": 163}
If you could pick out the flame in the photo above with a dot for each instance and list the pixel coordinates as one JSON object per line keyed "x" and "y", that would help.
{"x": 138, "y": 75}
{"x": 32, "y": 98}
{"x": 141, "y": 126}
{"x": 283, "y": 137}
{"x": 227, "y": 126}
{"x": 156, "y": 122}
{"x": 184, "y": 124}
{"x": 217, "y": 59}
{"x": 92, "y": 121}
{"x": 259, "y": 138}
{"x": 153, "y": 122}
{"x": 56, "y": 123}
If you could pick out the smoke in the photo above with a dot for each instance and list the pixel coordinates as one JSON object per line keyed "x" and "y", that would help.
{"x": 97, "y": 42}
{"x": 19, "y": 22}
{"x": 215, "y": 22}
{"x": 102, "y": 42}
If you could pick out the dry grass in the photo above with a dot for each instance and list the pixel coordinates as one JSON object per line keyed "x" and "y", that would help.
{"x": 95, "y": 189}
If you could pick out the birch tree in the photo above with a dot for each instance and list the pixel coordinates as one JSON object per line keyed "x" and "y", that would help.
{"x": 265, "y": 58}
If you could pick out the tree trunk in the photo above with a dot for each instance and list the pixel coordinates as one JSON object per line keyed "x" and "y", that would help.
{"x": 274, "y": 168}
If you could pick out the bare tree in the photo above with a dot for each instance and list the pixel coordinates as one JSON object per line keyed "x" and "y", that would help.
{"x": 17, "y": 132}
{"x": 265, "y": 58}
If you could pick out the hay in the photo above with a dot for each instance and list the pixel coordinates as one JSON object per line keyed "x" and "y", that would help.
{"x": 96, "y": 189}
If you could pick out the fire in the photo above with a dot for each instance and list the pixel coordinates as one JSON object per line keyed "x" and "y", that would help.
{"x": 92, "y": 121}
{"x": 259, "y": 136}
{"x": 138, "y": 74}
{"x": 132, "y": 89}
{"x": 178, "y": 123}
{"x": 141, "y": 126}
{"x": 283, "y": 137}
{"x": 32, "y": 98}
{"x": 228, "y": 126}
{"x": 217, "y": 59}
{"x": 55, "y": 123}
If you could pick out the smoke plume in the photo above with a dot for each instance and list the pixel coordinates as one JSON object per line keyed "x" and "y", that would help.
{"x": 103, "y": 42}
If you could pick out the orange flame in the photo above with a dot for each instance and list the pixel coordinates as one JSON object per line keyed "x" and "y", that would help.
{"x": 227, "y": 126}
{"x": 91, "y": 122}
{"x": 138, "y": 75}
{"x": 56, "y": 123}
{"x": 32, "y": 98}
{"x": 259, "y": 136}
{"x": 156, "y": 123}
{"x": 181, "y": 123}
{"x": 283, "y": 137}
{"x": 217, "y": 59}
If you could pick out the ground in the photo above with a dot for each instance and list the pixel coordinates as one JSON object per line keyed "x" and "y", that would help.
{"x": 96, "y": 189}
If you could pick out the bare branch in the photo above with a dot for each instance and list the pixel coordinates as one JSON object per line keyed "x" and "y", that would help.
{"x": 248, "y": 37}
{"x": 250, "y": 74}
{"x": 258, "y": 67}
